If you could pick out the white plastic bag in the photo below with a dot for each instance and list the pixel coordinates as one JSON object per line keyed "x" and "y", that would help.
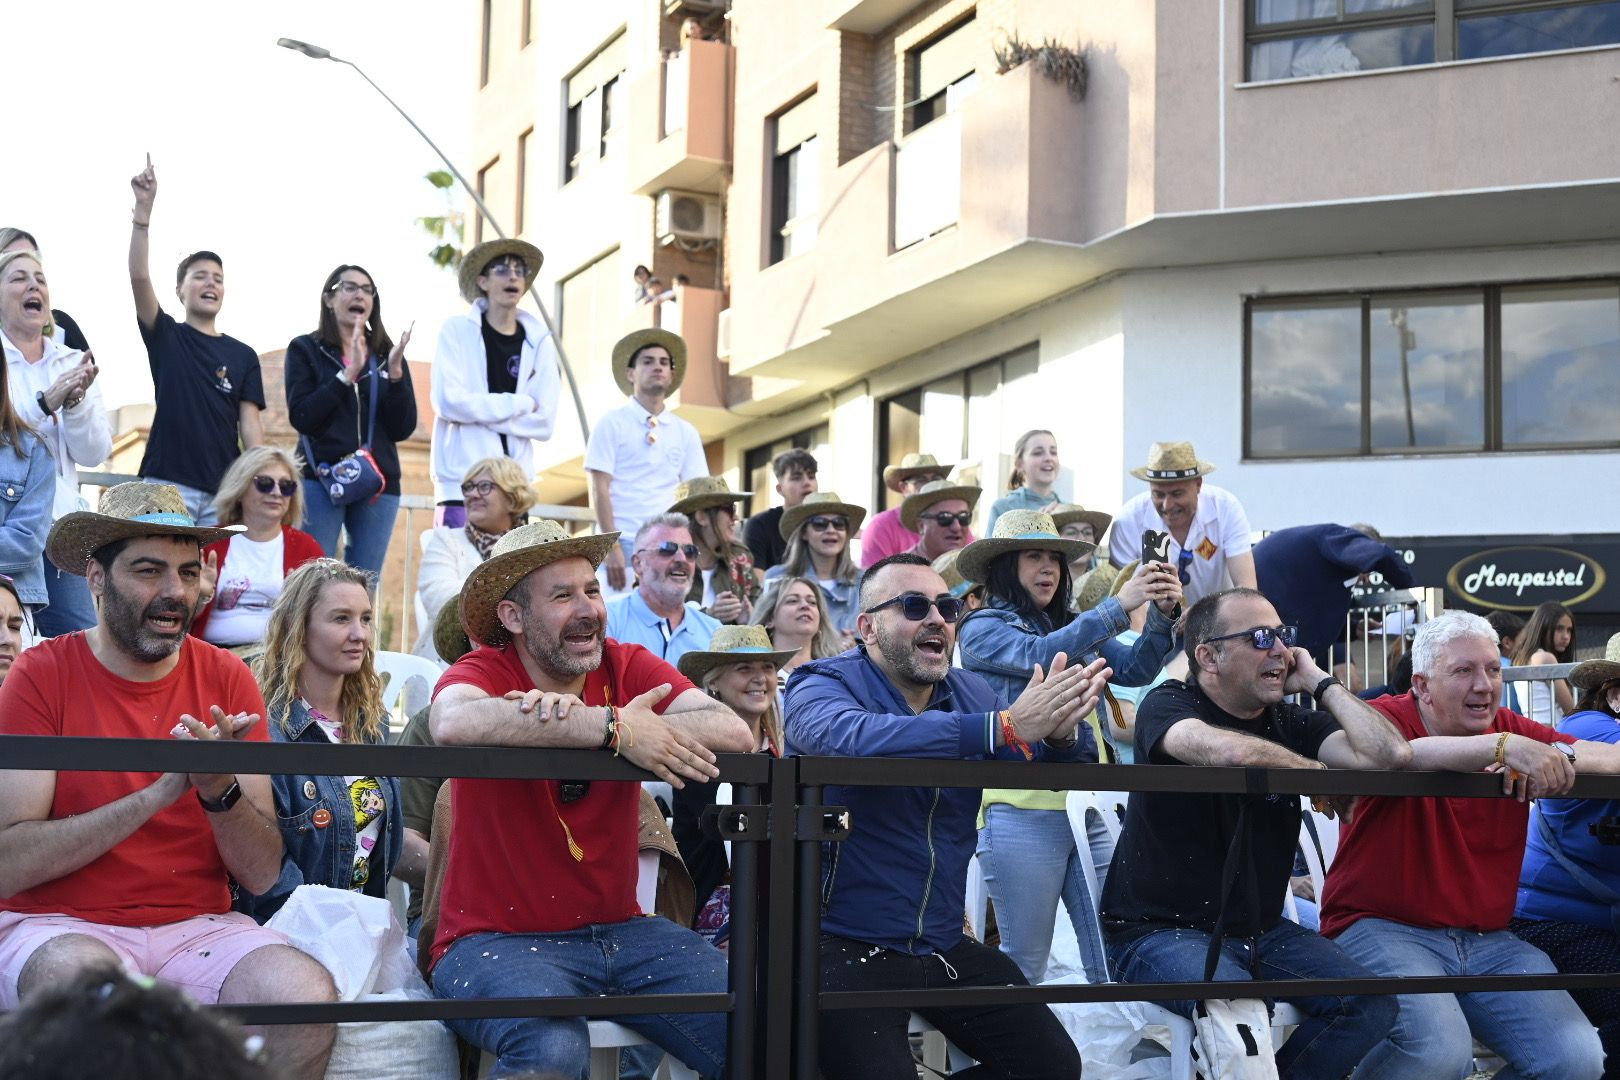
{"x": 349, "y": 933}
{"x": 1234, "y": 1040}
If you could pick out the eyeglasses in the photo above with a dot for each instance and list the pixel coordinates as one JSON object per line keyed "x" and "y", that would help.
{"x": 1262, "y": 637}
{"x": 819, "y": 523}
{"x": 1183, "y": 561}
{"x": 349, "y": 288}
{"x": 264, "y": 485}
{"x": 943, "y": 520}
{"x": 914, "y": 606}
{"x": 516, "y": 268}
{"x": 482, "y": 487}
{"x": 669, "y": 547}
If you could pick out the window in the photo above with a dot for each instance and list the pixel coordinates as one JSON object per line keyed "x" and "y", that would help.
{"x": 485, "y": 19}
{"x": 1295, "y": 38}
{"x": 589, "y": 307}
{"x": 758, "y": 476}
{"x": 525, "y": 150}
{"x": 488, "y": 181}
{"x": 592, "y": 95}
{"x": 941, "y": 73}
{"x": 1514, "y": 367}
{"x": 795, "y": 181}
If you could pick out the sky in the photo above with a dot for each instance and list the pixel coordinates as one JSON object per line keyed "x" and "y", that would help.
{"x": 284, "y": 165}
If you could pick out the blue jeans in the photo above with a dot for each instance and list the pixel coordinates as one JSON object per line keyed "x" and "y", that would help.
{"x": 1337, "y": 1032}
{"x": 646, "y": 955}
{"x": 1539, "y": 1033}
{"x": 71, "y": 607}
{"x": 369, "y": 526}
{"x": 199, "y": 503}
{"x": 1030, "y": 861}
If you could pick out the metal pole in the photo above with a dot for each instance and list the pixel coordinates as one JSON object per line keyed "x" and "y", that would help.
{"x": 742, "y": 971}
{"x": 807, "y": 1009}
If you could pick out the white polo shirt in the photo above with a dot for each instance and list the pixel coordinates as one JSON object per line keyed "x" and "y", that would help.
{"x": 645, "y": 474}
{"x": 1220, "y": 530}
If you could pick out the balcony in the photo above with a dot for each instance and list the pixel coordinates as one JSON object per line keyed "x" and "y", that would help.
{"x": 680, "y": 121}
{"x": 702, "y": 396}
{"x": 864, "y": 16}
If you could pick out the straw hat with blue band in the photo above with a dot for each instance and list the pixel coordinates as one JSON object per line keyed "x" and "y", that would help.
{"x": 1018, "y": 530}
{"x": 733, "y": 645}
{"x": 125, "y": 512}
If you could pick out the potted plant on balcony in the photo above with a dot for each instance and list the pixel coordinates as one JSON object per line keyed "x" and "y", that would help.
{"x": 1057, "y": 62}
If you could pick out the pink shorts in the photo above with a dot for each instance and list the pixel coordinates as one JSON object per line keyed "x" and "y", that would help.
{"x": 194, "y": 954}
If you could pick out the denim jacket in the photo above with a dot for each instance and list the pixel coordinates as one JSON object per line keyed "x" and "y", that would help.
{"x": 27, "y": 491}
{"x": 314, "y": 855}
{"x": 1001, "y": 645}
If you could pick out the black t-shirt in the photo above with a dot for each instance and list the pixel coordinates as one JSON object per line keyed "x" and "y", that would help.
{"x": 763, "y": 535}
{"x": 1167, "y": 866}
{"x": 71, "y": 335}
{"x": 200, "y": 382}
{"x": 502, "y": 354}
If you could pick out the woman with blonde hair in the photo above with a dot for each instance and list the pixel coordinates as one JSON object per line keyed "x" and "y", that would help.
{"x": 320, "y": 682}
{"x": 496, "y": 497}
{"x": 1035, "y": 470}
{"x": 260, "y": 491}
{"x": 795, "y": 613}
{"x": 818, "y": 532}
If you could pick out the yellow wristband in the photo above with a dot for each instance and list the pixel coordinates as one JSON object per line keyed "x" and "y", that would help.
{"x": 1501, "y": 747}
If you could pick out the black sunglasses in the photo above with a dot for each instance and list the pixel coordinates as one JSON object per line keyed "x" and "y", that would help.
{"x": 943, "y": 520}
{"x": 1262, "y": 637}
{"x": 266, "y": 484}
{"x": 819, "y": 523}
{"x": 670, "y": 547}
{"x": 914, "y": 606}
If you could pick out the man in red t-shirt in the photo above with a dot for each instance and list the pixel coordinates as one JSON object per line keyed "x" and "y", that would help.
{"x": 539, "y": 893}
{"x": 1425, "y": 886}
{"x": 134, "y": 869}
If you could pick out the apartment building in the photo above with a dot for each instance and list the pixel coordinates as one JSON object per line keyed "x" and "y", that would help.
{"x": 1365, "y": 254}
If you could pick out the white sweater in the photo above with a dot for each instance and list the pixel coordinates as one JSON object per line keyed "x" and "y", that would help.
{"x": 78, "y": 436}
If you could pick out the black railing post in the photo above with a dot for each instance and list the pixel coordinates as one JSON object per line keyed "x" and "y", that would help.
{"x": 779, "y": 921}
{"x": 743, "y": 960}
{"x": 807, "y": 917}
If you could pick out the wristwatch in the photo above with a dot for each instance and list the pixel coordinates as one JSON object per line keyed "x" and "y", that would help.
{"x": 1322, "y": 687}
{"x": 226, "y": 800}
{"x": 39, "y": 397}
{"x": 1566, "y": 749}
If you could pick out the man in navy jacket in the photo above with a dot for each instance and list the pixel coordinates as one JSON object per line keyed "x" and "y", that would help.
{"x": 893, "y": 893}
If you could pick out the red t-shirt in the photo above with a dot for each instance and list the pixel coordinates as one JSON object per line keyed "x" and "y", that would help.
{"x": 169, "y": 869}
{"x": 510, "y": 870}
{"x": 1429, "y": 861}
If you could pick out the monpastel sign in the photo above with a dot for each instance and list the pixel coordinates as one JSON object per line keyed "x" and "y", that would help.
{"x": 1517, "y": 573}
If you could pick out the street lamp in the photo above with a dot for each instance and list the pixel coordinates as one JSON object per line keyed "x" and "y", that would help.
{"x": 315, "y": 52}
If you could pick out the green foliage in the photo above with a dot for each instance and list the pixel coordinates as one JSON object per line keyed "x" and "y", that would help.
{"x": 448, "y": 227}
{"x": 1057, "y": 62}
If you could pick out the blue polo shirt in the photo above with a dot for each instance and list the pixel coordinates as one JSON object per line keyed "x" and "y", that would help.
{"x": 631, "y": 620}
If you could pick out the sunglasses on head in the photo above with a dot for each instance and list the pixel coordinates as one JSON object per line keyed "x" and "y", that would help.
{"x": 264, "y": 485}
{"x": 1262, "y": 637}
{"x": 914, "y": 606}
{"x": 943, "y": 520}
{"x": 820, "y": 523}
{"x": 669, "y": 547}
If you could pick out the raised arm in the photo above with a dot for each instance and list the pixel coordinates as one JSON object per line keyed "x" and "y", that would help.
{"x": 1365, "y": 739}
{"x": 144, "y": 184}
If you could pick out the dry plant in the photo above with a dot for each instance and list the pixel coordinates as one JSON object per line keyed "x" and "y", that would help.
{"x": 1057, "y": 62}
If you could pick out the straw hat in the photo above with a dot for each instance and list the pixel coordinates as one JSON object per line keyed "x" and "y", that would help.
{"x": 1094, "y": 586}
{"x": 634, "y": 342}
{"x": 125, "y": 512}
{"x": 515, "y": 556}
{"x": 704, "y": 492}
{"x": 450, "y": 639}
{"x": 935, "y": 491}
{"x": 1018, "y": 530}
{"x": 1593, "y": 673}
{"x": 1075, "y": 514}
{"x": 733, "y": 645}
{"x": 820, "y": 502}
{"x": 946, "y": 567}
{"x": 1172, "y": 461}
{"x": 909, "y": 466}
{"x": 1125, "y": 574}
{"x": 474, "y": 262}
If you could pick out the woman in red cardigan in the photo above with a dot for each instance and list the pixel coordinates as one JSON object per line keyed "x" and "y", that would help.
{"x": 243, "y": 574}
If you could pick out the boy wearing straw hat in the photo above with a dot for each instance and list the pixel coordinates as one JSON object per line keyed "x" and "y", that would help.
{"x": 128, "y": 868}
{"x": 540, "y": 890}
{"x": 1209, "y": 532}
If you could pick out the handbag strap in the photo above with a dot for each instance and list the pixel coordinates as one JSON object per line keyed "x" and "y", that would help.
{"x": 371, "y": 426}
{"x": 1582, "y": 877}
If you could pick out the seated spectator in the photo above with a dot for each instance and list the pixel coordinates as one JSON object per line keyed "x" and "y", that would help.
{"x": 103, "y": 1023}
{"x": 885, "y": 534}
{"x": 126, "y": 867}
{"x": 1035, "y": 471}
{"x": 1075, "y": 522}
{"x": 496, "y": 495}
{"x": 1196, "y": 887}
{"x": 971, "y": 593}
{"x": 795, "y": 472}
{"x": 818, "y": 532}
{"x": 321, "y": 686}
{"x": 27, "y": 491}
{"x": 1389, "y": 909}
{"x": 349, "y": 389}
{"x": 261, "y": 494}
{"x": 13, "y": 617}
{"x": 54, "y": 392}
{"x": 794, "y": 610}
{"x": 1508, "y": 627}
{"x": 727, "y": 583}
{"x": 939, "y": 513}
{"x": 893, "y": 894}
{"x": 1569, "y": 882}
{"x": 15, "y": 239}
{"x": 738, "y": 669}
{"x": 539, "y": 898}
{"x": 1548, "y": 638}
{"x": 656, "y": 614}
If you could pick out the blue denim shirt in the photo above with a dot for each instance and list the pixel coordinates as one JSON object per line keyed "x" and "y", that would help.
{"x": 27, "y": 491}
{"x": 841, "y": 598}
{"x": 317, "y": 856}
{"x": 999, "y": 644}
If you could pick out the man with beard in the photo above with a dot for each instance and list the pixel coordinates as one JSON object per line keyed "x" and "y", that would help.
{"x": 134, "y": 869}
{"x": 657, "y": 615}
{"x": 539, "y": 894}
{"x": 894, "y": 891}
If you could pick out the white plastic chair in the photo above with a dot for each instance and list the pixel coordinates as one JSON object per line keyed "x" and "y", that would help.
{"x": 408, "y": 682}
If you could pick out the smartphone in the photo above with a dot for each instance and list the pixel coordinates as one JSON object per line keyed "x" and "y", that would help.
{"x": 1155, "y": 546}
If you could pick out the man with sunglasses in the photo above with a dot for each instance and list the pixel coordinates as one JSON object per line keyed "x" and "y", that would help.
{"x": 939, "y": 513}
{"x": 1195, "y": 890}
{"x": 894, "y": 891}
{"x": 656, "y": 614}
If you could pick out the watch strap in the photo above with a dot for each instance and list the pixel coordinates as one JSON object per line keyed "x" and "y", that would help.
{"x": 1322, "y": 687}
{"x": 226, "y": 800}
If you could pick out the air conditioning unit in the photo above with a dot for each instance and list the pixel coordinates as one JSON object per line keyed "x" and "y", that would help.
{"x": 722, "y": 335}
{"x": 684, "y": 215}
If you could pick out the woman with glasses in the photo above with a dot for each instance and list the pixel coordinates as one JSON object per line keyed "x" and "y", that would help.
{"x": 818, "y": 532}
{"x": 497, "y": 497}
{"x": 349, "y": 391}
{"x": 496, "y": 376}
{"x": 1026, "y": 845}
{"x": 243, "y": 574}
{"x": 794, "y": 610}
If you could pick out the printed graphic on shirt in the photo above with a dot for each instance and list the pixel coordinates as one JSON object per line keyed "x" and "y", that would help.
{"x": 1207, "y": 549}
{"x": 369, "y": 806}
{"x": 222, "y": 380}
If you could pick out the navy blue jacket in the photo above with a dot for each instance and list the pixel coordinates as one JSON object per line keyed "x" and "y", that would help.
{"x": 1302, "y": 571}
{"x": 900, "y": 879}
